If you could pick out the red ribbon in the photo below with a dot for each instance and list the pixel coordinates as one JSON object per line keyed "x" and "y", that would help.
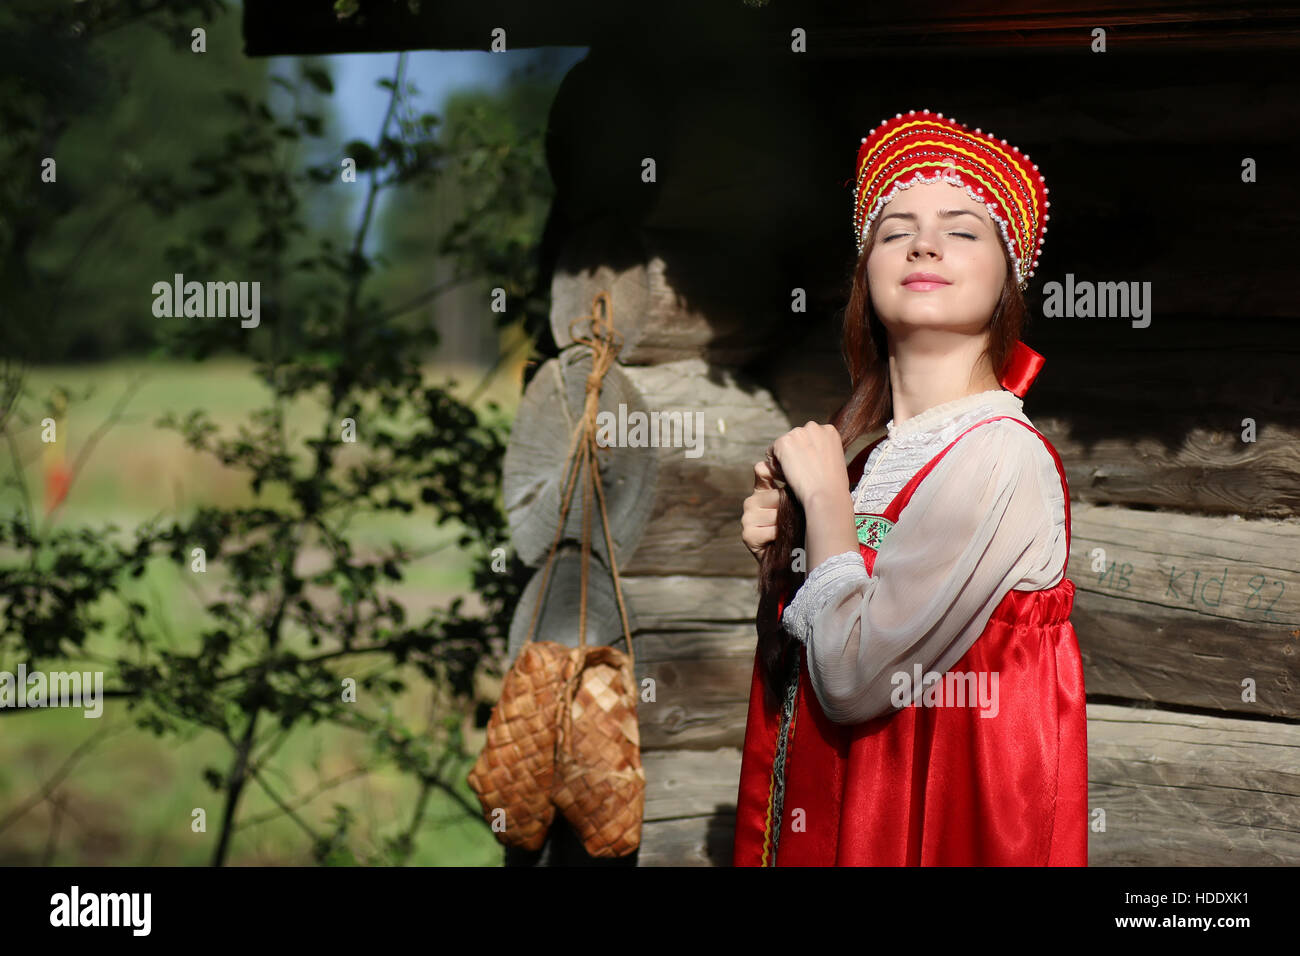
{"x": 1022, "y": 368}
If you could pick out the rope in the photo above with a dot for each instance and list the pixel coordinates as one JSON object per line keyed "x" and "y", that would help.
{"x": 604, "y": 344}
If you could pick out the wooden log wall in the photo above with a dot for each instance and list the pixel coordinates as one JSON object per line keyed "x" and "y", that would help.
{"x": 1186, "y": 539}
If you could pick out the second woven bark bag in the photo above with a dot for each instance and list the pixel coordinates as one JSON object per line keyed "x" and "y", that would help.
{"x": 599, "y": 782}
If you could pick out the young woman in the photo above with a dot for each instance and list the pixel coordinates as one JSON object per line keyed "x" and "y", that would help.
{"x": 918, "y": 699}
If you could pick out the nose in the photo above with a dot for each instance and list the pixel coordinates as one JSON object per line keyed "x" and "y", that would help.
{"x": 922, "y": 244}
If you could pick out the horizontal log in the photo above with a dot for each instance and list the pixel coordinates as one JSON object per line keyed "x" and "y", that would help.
{"x": 692, "y": 607}
{"x": 695, "y": 640}
{"x": 690, "y": 807}
{"x": 700, "y": 703}
{"x": 690, "y": 783}
{"x": 1210, "y": 471}
{"x": 1242, "y": 572}
{"x": 1162, "y": 427}
{"x": 693, "y": 841}
{"x": 1190, "y": 790}
{"x": 1155, "y": 655}
{"x": 1182, "y": 609}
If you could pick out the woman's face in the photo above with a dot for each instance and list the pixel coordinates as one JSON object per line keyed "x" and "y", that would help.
{"x": 935, "y": 228}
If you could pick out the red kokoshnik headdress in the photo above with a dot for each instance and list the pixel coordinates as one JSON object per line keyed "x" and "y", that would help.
{"x": 924, "y": 147}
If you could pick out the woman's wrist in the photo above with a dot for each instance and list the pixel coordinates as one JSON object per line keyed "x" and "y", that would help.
{"x": 830, "y": 527}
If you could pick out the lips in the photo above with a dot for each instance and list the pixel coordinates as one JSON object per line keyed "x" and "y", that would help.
{"x": 925, "y": 277}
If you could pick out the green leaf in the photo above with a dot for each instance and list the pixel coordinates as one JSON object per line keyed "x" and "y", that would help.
{"x": 318, "y": 78}
{"x": 361, "y": 151}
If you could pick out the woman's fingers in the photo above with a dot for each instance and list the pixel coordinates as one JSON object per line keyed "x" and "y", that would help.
{"x": 759, "y": 522}
{"x": 757, "y": 538}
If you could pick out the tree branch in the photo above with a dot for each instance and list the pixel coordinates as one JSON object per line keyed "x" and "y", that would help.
{"x": 58, "y": 776}
{"x": 312, "y": 795}
{"x": 285, "y": 808}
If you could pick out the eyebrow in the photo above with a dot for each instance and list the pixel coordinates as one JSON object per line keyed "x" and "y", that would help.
{"x": 943, "y": 214}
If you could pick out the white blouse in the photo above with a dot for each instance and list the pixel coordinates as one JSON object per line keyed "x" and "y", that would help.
{"x": 988, "y": 518}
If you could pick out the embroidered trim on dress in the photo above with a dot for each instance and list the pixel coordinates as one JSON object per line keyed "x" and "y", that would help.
{"x": 776, "y": 791}
{"x": 872, "y": 529}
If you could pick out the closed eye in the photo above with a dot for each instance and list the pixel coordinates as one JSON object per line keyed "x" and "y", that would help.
{"x": 897, "y": 234}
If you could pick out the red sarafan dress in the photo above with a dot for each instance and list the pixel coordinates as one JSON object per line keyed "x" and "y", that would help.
{"x": 932, "y": 786}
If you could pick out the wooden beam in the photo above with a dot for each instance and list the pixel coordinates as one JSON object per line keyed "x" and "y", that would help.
{"x": 275, "y": 27}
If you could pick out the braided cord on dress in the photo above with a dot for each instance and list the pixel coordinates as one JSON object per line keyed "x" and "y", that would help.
{"x": 778, "y": 767}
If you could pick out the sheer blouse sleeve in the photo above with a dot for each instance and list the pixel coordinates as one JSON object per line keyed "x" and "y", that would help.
{"x": 989, "y": 517}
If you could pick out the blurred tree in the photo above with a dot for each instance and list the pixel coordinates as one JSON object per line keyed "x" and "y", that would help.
{"x": 278, "y": 645}
{"x": 111, "y": 91}
{"x": 485, "y": 209}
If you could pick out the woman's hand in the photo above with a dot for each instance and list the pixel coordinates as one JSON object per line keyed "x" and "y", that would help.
{"x": 758, "y": 522}
{"x": 810, "y": 460}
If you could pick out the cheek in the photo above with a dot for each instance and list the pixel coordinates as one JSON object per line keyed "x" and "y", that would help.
{"x": 873, "y": 269}
{"x": 991, "y": 266}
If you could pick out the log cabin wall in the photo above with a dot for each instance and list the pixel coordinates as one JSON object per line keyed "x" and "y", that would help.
{"x": 1186, "y": 538}
{"x": 1186, "y": 542}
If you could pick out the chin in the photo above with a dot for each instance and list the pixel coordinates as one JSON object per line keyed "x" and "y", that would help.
{"x": 928, "y": 313}
{"x": 913, "y": 320}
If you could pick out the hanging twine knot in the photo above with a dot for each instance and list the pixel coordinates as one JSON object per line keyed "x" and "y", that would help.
{"x": 605, "y": 344}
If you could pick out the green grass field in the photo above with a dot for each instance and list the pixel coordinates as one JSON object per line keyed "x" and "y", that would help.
{"x": 128, "y": 800}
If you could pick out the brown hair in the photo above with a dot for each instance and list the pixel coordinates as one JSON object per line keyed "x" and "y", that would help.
{"x": 865, "y": 350}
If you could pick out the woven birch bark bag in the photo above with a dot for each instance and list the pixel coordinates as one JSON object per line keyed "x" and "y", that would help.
{"x": 564, "y": 734}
